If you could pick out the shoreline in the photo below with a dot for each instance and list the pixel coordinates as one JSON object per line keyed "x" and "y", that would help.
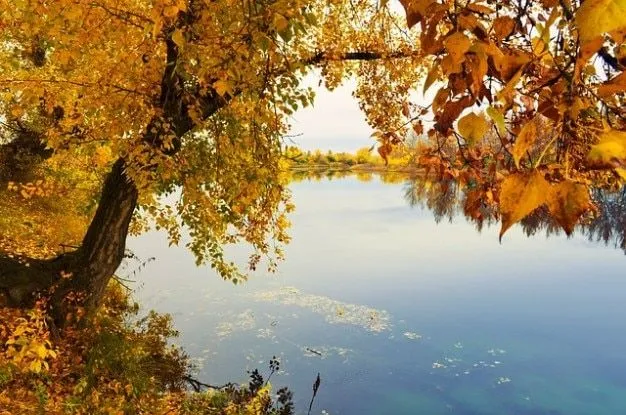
{"x": 357, "y": 168}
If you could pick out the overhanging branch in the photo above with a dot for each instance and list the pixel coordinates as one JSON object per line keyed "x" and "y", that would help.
{"x": 321, "y": 57}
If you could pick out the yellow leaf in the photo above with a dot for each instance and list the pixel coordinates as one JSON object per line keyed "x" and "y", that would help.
{"x": 35, "y": 366}
{"x": 621, "y": 172}
{"x": 40, "y": 350}
{"x": 456, "y": 45}
{"x": 280, "y": 22}
{"x": 473, "y": 128}
{"x": 595, "y": 17}
{"x": 182, "y": 5}
{"x": 567, "y": 202}
{"x": 178, "y": 38}
{"x": 524, "y": 141}
{"x": 170, "y": 11}
{"x": 520, "y": 194}
{"x": 222, "y": 87}
{"x": 610, "y": 150}
{"x": 432, "y": 76}
{"x": 498, "y": 119}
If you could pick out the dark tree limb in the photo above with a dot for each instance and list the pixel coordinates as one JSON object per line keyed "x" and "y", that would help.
{"x": 322, "y": 57}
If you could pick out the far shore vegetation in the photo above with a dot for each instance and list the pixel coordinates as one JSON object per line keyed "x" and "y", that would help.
{"x": 365, "y": 159}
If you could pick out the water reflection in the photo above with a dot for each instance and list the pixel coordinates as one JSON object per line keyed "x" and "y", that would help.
{"x": 448, "y": 200}
{"x": 470, "y": 326}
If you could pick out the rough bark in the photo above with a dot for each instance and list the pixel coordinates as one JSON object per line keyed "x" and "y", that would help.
{"x": 85, "y": 271}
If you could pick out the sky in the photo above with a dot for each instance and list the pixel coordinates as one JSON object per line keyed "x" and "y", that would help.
{"x": 334, "y": 122}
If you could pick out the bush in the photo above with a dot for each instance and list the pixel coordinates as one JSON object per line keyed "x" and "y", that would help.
{"x": 116, "y": 362}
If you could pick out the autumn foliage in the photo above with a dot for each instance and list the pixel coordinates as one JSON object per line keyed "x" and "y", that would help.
{"x": 119, "y": 362}
{"x": 172, "y": 114}
{"x": 529, "y": 107}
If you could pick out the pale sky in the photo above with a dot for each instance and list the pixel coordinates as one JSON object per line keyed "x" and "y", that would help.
{"x": 334, "y": 122}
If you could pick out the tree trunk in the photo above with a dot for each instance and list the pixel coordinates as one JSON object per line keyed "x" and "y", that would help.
{"x": 86, "y": 271}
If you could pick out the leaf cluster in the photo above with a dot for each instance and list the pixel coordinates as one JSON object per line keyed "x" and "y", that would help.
{"x": 530, "y": 101}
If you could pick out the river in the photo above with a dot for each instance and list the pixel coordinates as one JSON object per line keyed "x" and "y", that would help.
{"x": 404, "y": 311}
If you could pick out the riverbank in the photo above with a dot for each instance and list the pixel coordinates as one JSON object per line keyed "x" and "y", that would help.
{"x": 357, "y": 168}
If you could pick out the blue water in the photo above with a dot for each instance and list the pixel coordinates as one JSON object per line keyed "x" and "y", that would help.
{"x": 405, "y": 315}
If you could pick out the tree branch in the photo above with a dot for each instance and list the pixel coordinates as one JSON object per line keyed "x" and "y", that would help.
{"x": 321, "y": 57}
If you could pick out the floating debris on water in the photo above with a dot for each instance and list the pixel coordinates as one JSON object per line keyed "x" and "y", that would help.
{"x": 335, "y": 312}
{"x": 240, "y": 322}
{"x": 325, "y": 351}
{"x": 482, "y": 363}
{"x": 265, "y": 334}
{"x": 495, "y": 352}
{"x": 411, "y": 335}
{"x": 308, "y": 349}
{"x": 437, "y": 365}
{"x": 458, "y": 345}
{"x": 502, "y": 380}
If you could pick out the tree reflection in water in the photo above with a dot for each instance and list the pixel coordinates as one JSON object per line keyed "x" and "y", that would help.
{"x": 447, "y": 200}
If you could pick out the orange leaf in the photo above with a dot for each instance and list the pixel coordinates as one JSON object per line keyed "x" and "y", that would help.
{"x": 524, "y": 141}
{"x": 520, "y": 194}
{"x": 451, "y": 112}
{"x": 503, "y": 26}
{"x": 456, "y": 45}
{"x": 567, "y": 202}
{"x": 384, "y": 151}
{"x": 616, "y": 85}
{"x": 415, "y": 10}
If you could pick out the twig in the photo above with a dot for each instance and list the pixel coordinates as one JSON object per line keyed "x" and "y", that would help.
{"x": 198, "y": 385}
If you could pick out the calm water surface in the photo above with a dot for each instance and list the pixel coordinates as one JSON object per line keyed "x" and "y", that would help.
{"x": 403, "y": 315}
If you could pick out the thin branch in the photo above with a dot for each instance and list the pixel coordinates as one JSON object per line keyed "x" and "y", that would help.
{"x": 70, "y": 82}
{"x": 198, "y": 385}
{"x": 321, "y": 57}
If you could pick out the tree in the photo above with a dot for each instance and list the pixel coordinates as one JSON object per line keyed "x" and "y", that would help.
{"x": 174, "y": 100}
{"x": 189, "y": 99}
{"x": 547, "y": 82}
